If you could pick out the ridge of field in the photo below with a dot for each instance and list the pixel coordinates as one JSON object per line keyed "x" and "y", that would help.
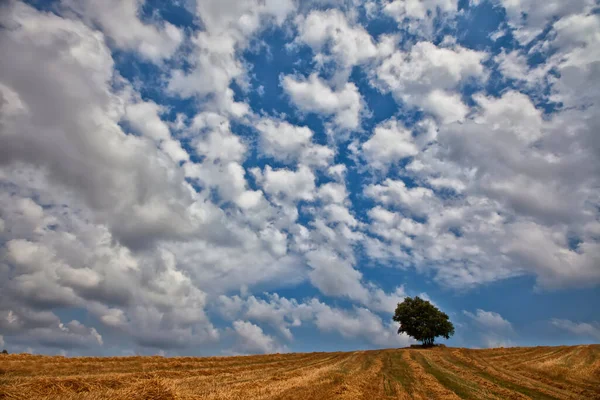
{"x": 439, "y": 373}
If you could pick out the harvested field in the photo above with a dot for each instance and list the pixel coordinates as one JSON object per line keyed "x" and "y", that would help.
{"x": 439, "y": 373}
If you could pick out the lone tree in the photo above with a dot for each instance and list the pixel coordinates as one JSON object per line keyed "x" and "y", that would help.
{"x": 422, "y": 320}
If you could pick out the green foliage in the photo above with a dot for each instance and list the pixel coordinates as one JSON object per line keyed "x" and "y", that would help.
{"x": 422, "y": 320}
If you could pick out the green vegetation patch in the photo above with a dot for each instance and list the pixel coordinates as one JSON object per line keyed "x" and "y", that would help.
{"x": 464, "y": 389}
{"x": 398, "y": 369}
{"x": 534, "y": 394}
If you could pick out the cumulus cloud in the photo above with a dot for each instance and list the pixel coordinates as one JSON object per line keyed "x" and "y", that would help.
{"x": 288, "y": 185}
{"x": 284, "y": 315}
{"x": 334, "y": 276}
{"x": 333, "y": 38}
{"x": 144, "y": 182}
{"x": 505, "y": 159}
{"x": 290, "y": 143}
{"x": 417, "y": 201}
{"x": 228, "y": 28}
{"x": 427, "y": 76}
{"x": 120, "y": 21}
{"x": 138, "y": 204}
{"x": 420, "y": 14}
{"x": 280, "y": 313}
{"x": 390, "y": 143}
{"x": 144, "y": 117}
{"x": 251, "y": 339}
{"x": 529, "y": 18}
{"x": 314, "y": 95}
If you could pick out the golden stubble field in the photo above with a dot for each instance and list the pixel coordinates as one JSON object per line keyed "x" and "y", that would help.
{"x": 439, "y": 373}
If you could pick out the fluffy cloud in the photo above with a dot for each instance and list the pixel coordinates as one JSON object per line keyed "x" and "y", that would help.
{"x": 284, "y": 315}
{"x": 251, "y": 339}
{"x": 420, "y": 14}
{"x": 333, "y": 38}
{"x": 120, "y": 21}
{"x": 334, "y": 276}
{"x": 144, "y": 116}
{"x": 528, "y": 18}
{"x": 314, "y": 95}
{"x": 288, "y": 185}
{"x": 283, "y": 140}
{"x": 228, "y": 28}
{"x": 289, "y": 143}
{"x": 504, "y": 160}
{"x": 144, "y": 183}
{"x": 427, "y": 75}
{"x": 278, "y": 312}
{"x": 137, "y": 194}
{"x": 415, "y": 201}
{"x": 390, "y": 143}
{"x": 361, "y": 323}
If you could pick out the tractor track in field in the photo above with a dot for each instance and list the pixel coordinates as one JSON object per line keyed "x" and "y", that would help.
{"x": 543, "y": 373}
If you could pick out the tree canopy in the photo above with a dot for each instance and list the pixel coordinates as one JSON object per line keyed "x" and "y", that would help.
{"x": 422, "y": 320}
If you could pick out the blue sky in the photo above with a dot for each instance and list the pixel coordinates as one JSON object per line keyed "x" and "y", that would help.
{"x": 245, "y": 176}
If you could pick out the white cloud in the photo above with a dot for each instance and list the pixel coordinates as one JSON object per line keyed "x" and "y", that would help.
{"x": 120, "y": 21}
{"x": 288, "y": 185}
{"x": 333, "y": 192}
{"x": 251, "y": 339}
{"x": 96, "y": 190}
{"x": 426, "y": 76}
{"x": 581, "y": 329}
{"x": 528, "y": 18}
{"x": 321, "y": 29}
{"x": 291, "y": 143}
{"x": 395, "y": 193}
{"x": 284, "y": 315}
{"x": 447, "y": 107}
{"x": 280, "y": 313}
{"x": 514, "y": 65}
{"x": 548, "y": 254}
{"x": 228, "y": 27}
{"x": 420, "y": 13}
{"x": 140, "y": 217}
{"x": 144, "y": 117}
{"x": 494, "y": 342}
{"x": 314, "y": 95}
{"x": 360, "y": 323}
{"x": 137, "y": 193}
{"x": 282, "y": 140}
{"x": 334, "y": 276}
{"x": 510, "y": 166}
{"x": 489, "y": 320}
{"x": 390, "y": 143}
{"x": 333, "y": 37}
{"x": 494, "y": 330}
{"x": 386, "y": 302}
